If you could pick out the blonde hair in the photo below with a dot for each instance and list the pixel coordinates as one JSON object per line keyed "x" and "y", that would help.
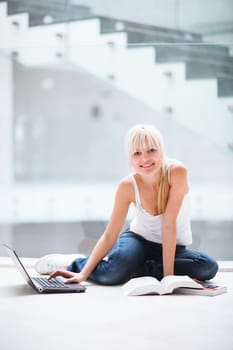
{"x": 137, "y": 137}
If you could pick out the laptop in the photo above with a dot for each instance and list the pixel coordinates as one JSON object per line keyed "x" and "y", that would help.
{"x": 42, "y": 284}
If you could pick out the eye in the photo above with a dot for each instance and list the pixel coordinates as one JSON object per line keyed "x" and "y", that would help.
{"x": 152, "y": 150}
{"x": 136, "y": 153}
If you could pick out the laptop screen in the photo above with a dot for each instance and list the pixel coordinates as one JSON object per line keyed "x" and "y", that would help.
{"x": 19, "y": 265}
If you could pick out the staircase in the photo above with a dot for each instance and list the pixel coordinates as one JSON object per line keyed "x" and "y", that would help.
{"x": 59, "y": 10}
{"x": 171, "y": 71}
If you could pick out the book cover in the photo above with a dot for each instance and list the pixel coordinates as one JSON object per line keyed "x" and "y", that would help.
{"x": 208, "y": 289}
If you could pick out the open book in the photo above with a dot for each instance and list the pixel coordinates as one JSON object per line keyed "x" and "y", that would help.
{"x": 169, "y": 284}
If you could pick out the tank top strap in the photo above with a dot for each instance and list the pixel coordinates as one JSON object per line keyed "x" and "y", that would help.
{"x": 137, "y": 195}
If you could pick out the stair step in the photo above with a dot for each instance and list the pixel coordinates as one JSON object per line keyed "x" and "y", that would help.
{"x": 157, "y": 36}
{"x": 185, "y": 53}
{"x": 111, "y": 25}
{"x": 203, "y": 70}
{"x": 59, "y": 10}
{"x": 225, "y": 87}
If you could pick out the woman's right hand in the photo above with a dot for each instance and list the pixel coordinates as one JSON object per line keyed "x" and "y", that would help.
{"x": 72, "y": 277}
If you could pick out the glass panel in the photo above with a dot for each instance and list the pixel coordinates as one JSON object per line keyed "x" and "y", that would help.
{"x": 74, "y": 78}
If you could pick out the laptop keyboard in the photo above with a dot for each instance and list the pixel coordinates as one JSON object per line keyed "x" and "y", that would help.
{"x": 54, "y": 283}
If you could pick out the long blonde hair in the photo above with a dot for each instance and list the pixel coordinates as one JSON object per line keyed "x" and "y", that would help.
{"x": 137, "y": 137}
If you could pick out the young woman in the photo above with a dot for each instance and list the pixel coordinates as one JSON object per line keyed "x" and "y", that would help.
{"x": 155, "y": 243}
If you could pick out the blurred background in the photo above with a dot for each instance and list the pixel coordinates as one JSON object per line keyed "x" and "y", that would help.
{"x": 74, "y": 76}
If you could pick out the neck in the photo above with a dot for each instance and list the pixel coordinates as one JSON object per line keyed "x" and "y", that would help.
{"x": 150, "y": 179}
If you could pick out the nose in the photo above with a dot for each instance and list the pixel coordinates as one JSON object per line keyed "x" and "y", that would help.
{"x": 145, "y": 156}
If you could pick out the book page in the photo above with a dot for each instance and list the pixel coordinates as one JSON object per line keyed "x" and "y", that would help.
{"x": 150, "y": 285}
{"x": 142, "y": 285}
{"x": 169, "y": 283}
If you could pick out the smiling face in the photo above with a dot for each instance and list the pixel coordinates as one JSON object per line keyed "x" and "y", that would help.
{"x": 145, "y": 149}
{"x": 146, "y": 159}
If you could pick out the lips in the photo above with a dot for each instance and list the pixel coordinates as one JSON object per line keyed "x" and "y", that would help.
{"x": 146, "y": 166}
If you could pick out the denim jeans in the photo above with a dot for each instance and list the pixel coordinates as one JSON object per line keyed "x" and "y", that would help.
{"x": 134, "y": 256}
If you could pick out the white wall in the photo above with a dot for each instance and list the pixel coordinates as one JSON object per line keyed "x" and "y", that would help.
{"x": 6, "y": 118}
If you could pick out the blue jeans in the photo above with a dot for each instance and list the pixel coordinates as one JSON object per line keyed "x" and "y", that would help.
{"x": 134, "y": 256}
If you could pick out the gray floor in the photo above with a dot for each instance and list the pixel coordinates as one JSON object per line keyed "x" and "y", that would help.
{"x": 104, "y": 318}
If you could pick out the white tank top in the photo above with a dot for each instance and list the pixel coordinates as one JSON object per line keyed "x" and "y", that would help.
{"x": 149, "y": 226}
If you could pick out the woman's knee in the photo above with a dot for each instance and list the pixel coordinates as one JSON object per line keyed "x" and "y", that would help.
{"x": 119, "y": 267}
{"x": 196, "y": 265}
{"x": 127, "y": 255}
{"x": 207, "y": 269}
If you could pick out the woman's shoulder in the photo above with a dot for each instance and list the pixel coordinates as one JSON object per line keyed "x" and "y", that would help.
{"x": 177, "y": 171}
{"x": 178, "y": 175}
{"x": 127, "y": 181}
{"x": 176, "y": 165}
{"x": 125, "y": 187}
{"x": 175, "y": 162}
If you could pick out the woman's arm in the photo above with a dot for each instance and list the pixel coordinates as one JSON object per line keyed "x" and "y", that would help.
{"x": 110, "y": 235}
{"x": 178, "y": 189}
